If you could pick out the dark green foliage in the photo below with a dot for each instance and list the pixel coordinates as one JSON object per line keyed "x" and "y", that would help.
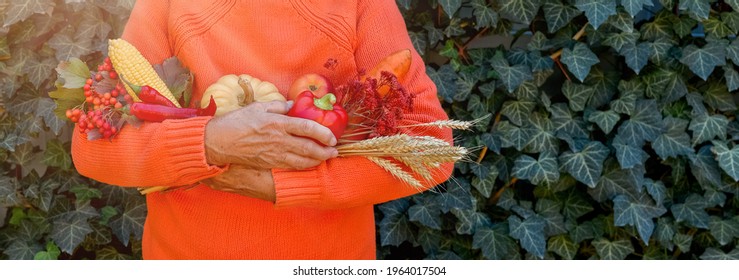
{"x": 48, "y": 211}
{"x": 613, "y": 133}
{"x": 619, "y": 144}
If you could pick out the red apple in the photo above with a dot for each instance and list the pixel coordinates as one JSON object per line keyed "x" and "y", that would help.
{"x": 317, "y": 84}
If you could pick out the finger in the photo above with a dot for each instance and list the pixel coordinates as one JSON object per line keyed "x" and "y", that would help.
{"x": 310, "y": 129}
{"x": 309, "y": 148}
{"x": 295, "y": 161}
{"x": 275, "y": 107}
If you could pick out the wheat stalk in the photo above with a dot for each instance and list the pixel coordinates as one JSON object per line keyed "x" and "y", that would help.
{"x": 417, "y": 165}
{"x": 396, "y": 171}
{"x": 453, "y": 124}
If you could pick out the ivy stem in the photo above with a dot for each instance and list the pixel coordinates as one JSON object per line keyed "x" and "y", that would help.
{"x": 562, "y": 68}
{"x": 555, "y": 56}
{"x": 494, "y": 199}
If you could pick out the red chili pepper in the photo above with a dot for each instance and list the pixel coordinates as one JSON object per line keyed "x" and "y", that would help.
{"x": 152, "y": 96}
{"x": 321, "y": 110}
{"x": 159, "y": 113}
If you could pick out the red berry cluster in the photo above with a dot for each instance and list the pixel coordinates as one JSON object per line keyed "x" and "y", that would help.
{"x": 105, "y": 96}
{"x": 97, "y": 121}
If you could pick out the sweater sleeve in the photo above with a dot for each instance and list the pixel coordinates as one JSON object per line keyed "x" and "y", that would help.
{"x": 355, "y": 181}
{"x": 171, "y": 153}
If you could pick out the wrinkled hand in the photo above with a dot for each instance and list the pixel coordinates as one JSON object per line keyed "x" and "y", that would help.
{"x": 260, "y": 136}
{"x": 256, "y": 183}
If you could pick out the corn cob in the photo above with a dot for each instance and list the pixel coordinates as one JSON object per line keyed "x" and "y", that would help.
{"x": 132, "y": 66}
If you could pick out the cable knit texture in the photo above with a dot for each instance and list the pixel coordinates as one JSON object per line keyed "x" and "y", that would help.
{"x": 325, "y": 212}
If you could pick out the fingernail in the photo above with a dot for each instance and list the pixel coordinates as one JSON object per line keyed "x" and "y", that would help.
{"x": 289, "y": 104}
{"x": 335, "y": 153}
{"x": 333, "y": 141}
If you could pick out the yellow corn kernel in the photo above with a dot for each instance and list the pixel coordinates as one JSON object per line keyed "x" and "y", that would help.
{"x": 132, "y": 66}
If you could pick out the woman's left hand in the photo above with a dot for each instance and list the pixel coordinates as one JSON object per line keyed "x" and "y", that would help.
{"x": 256, "y": 183}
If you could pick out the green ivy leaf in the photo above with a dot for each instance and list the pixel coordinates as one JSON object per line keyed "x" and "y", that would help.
{"x": 621, "y": 20}
{"x": 517, "y": 111}
{"x": 613, "y": 250}
{"x": 483, "y": 185}
{"x": 430, "y": 240}
{"x": 22, "y": 250}
{"x": 550, "y": 210}
{"x": 645, "y": 124}
{"x": 69, "y": 231}
{"x": 540, "y": 130}
{"x": 67, "y": 48}
{"x": 732, "y": 78}
{"x": 110, "y": 253}
{"x": 457, "y": 196}
{"x": 522, "y": 11}
{"x": 725, "y": 231}
{"x": 586, "y": 165}
{"x": 450, "y": 6}
{"x": 494, "y": 243}
{"x": 716, "y": 27}
{"x": 619, "y": 40}
{"x": 577, "y": 94}
{"x": 512, "y": 136}
{"x": 511, "y": 76}
{"x": 616, "y": 182}
{"x": 660, "y": 28}
{"x": 426, "y": 212}
{"x": 469, "y": 221}
{"x": 638, "y": 213}
{"x": 485, "y": 16}
{"x": 445, "y": 80}
{"x": 606, "y": 120}
{"x": 530, "y": 232}
{"x": 731, "y": 19}
{"x": 675, "y": 142}
{"x": 394, "y": 230}
{"x": 597, "y": 11}
{"x": 702, "y": 61}
{"x": 566, "y": 123}
{"x": 733, "y": 3}
{"x": 131, "y": 220}
{"x": 544, "y": 170}
{"x": 563, "y": 246}
{"x": 39, "y": 69}
{"x": 664, "y": 233}
{"x": 707, "y": 127}
{"x": 714, "y": 198}
{"x": 20, "y": 10}
{"x": 692, "y": 211}
{"x": 705, "y": 168}
{"x": 732, "y": 51}
{"x": 718, "y": 97}
{"x": 56, "y": 155}
{"x": 558, "y": 15}
{"x": 579, "y": 60}
{"x": 697, "y": 8}
{"x": 718, "y": 254}
{"x": 635, "y": 6}
{"x": 574, "y": 205}
{"x": 585, "y": 231}
{"x": 636, "y": 56}
{"x": 52, "y": 252}
{"x": 656, "y": 189}
{"x": 728, "y": 159}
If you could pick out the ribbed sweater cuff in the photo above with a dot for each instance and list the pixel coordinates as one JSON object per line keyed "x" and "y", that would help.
{"x": 185, "y": 146}
{"x": 298, "y": 187}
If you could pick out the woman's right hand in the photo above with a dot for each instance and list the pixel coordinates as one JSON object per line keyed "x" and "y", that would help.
{"x": 261, "y": 136}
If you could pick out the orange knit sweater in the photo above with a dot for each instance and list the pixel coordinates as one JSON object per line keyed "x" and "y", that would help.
{"x": 325, "y": 212}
